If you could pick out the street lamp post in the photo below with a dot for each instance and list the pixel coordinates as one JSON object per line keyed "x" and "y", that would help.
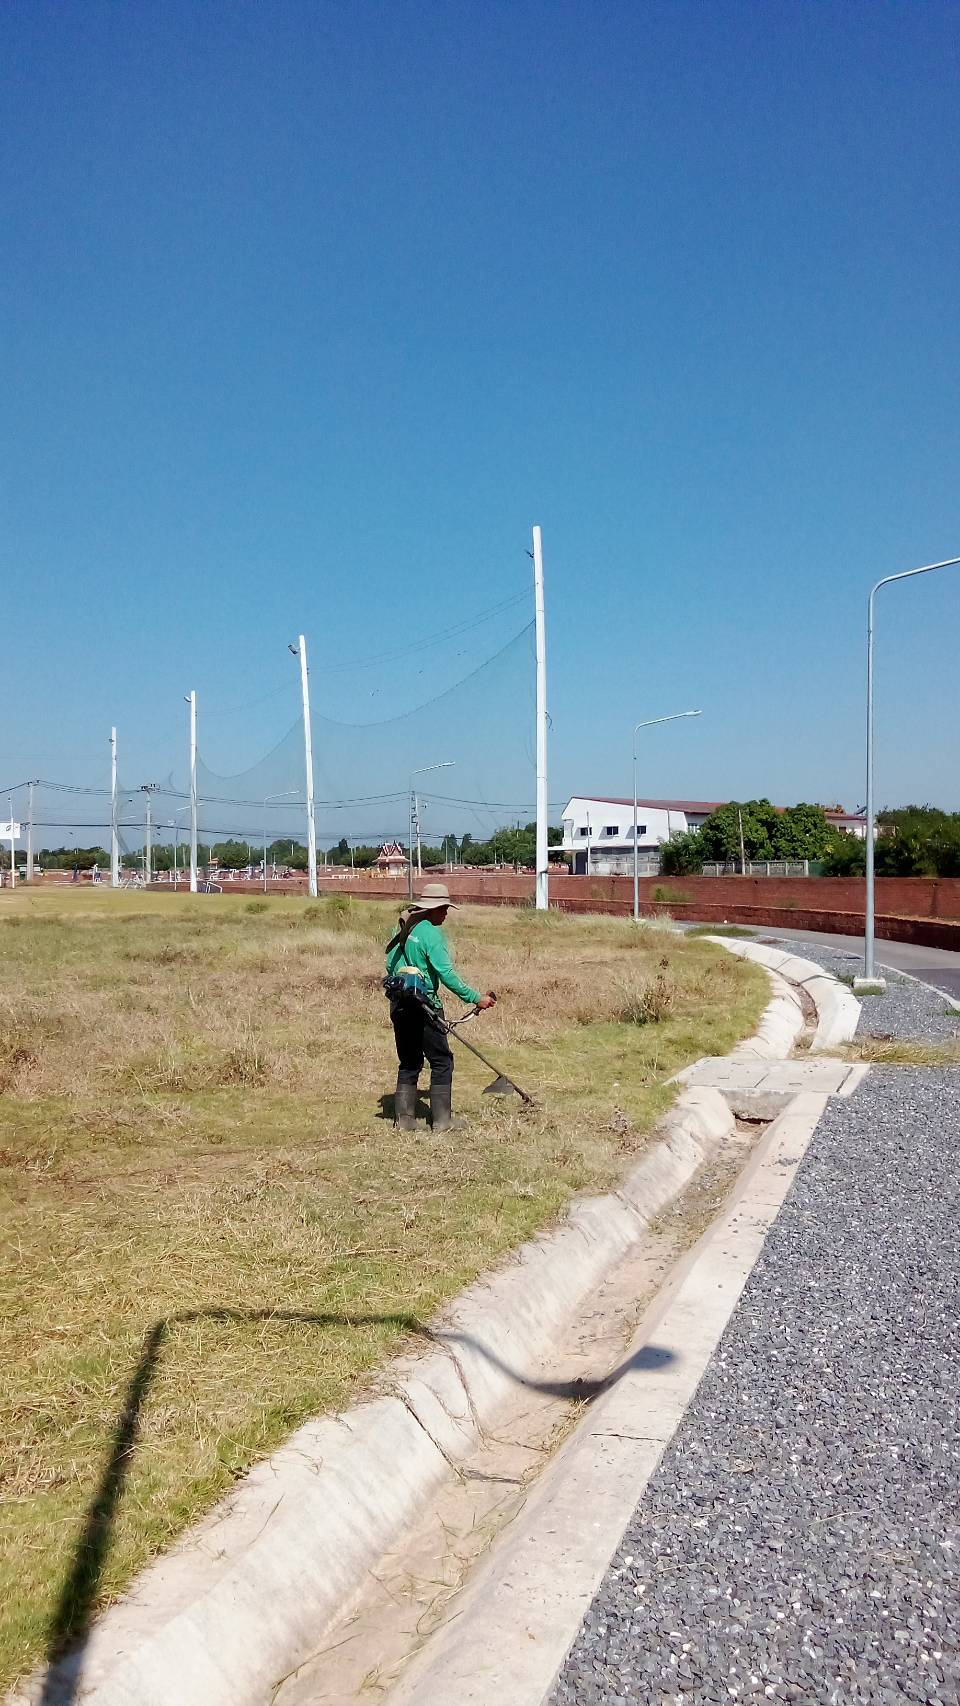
{"x": 869, "y": 933}
{"x": 649, "y": 724}
{"x": 285, "y": 795}
{"x": 446, "y": 764}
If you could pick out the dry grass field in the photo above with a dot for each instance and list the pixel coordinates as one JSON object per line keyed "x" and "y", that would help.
{"x": 211, "y": 1229}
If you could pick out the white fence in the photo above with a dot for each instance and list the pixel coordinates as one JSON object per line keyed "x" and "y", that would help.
{"x": 766, "y": 868}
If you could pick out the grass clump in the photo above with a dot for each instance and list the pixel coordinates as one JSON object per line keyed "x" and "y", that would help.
{"x": 196, "y": 1154}
{"x": 900, "y": 1051}
{"x": 719, "y": 930}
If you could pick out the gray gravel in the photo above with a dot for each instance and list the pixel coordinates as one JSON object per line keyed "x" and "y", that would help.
{"x": 800, "y": 1539}
{"x": 908, "y": 1010}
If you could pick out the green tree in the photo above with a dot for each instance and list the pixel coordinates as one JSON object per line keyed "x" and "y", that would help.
{"x": 683, "y": 855}
{"x": 846, "y": 856}
{"x": 801, "y": 832}
{"x": 231, "y": 855}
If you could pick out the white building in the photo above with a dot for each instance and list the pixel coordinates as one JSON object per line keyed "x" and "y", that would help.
{"x": 598, "y": 831}
{"x": 850, "y": 823}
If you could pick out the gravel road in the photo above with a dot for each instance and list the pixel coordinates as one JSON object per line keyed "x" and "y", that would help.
{"x": 908, "y": 1009}
{"x": 800, "y": 1539}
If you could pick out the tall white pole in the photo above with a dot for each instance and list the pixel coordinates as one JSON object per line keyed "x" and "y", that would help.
{"x": 416, "y": 819}
{"x": 636, "y": 857}
{"x": 869, "y": 922}
{"x": 30, "y": 787}
{"x": 193, "y": 791}
{"x": 13, "y": 850}
{"x": 146, "y": 855}
{"x": 308, "y": 759}
{"x": 543, "y": 857}
{"x": 114, "y": 837}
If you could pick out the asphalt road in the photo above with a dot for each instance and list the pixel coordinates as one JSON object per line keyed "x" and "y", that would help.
{"x": 932, "y": 965}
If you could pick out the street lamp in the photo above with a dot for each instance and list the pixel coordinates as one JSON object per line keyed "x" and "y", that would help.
{"x": 649, "y": 724}
{"x": 869, "y": 975}
{"x": 287, "y": 792}
{"x": 447, "y": 764}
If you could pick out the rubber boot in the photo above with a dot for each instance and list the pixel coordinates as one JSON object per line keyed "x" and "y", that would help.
{"x": 441, "y": 1100}
{"x": 405, "y": 1105}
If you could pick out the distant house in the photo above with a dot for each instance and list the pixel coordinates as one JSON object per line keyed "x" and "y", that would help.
{"x": 598, "y": 829}
{"x": 848, "y": 823}
{"x": 391, "y": 861}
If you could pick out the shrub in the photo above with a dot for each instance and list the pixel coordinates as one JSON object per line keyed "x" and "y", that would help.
{"x": 646, "y": 1002}
{"x": 255, "y": 906}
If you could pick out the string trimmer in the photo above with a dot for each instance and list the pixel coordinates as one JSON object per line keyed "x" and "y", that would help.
{"x": 502, "y": 1085}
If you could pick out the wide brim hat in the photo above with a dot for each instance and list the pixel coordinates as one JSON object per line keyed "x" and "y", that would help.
{"x": 431, "y": 897}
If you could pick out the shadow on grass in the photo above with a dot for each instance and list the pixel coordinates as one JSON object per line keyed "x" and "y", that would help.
{"x": 74, "y": 1612}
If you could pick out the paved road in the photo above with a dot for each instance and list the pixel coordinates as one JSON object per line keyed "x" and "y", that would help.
{"x": 933, "y": 965}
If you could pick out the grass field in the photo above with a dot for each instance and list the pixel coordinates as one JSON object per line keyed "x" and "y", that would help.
{"x": 211, "y": 1229}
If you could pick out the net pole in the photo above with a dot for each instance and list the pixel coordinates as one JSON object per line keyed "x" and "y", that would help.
{"x": 193, "y": 790}
{"x": 114, "y": 837}
{"x": 543, "y": 891}
{"x": 308, "y": 759}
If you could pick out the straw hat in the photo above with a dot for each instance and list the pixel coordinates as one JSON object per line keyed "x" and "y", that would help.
{"x": 431, "y": 897}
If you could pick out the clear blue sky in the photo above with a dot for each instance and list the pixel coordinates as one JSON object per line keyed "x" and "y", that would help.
{"x": 309, "y": 311}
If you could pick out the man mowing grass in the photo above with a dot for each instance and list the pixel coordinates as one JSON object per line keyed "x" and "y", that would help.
{"x": 418, "y": 962}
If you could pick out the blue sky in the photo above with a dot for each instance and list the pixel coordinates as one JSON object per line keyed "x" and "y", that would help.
{"x": 309, "y": 311}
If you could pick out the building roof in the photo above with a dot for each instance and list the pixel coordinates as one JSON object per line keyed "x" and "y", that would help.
{"x": 695, "y": 806}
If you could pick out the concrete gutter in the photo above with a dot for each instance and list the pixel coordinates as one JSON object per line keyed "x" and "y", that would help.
{"x": 242, "y": 1598}
{"x": 838, "y": 1010}
{"x": 515, "y": 1621}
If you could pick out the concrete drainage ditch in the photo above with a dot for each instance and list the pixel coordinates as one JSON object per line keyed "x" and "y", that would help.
{"x": 332, "y": 1568}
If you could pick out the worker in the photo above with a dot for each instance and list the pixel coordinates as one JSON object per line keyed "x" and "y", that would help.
{"x": 418, "y": 962}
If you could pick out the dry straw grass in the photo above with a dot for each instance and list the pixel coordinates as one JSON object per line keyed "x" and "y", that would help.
{"x": 190, "y": 1133}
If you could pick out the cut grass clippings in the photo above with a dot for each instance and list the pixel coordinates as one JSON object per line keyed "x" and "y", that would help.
{"x": 901, "y": 1051}
{"x": 211, "y": 1229}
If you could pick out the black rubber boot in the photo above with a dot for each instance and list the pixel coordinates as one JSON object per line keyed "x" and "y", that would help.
{"x": 441, "y": 1099}
{"x": 405, "y": 1105}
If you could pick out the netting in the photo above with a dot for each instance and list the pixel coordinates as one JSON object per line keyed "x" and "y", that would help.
{"x": 481, "y": 727}
{"x": 450, "y": 714}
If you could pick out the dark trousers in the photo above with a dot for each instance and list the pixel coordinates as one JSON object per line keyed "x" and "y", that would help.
{"x": 417, "y": 1037}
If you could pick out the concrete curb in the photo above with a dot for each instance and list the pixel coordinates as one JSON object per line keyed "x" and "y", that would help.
{"x": 246, "y": 1595}
{"x": 838, "y": 1010}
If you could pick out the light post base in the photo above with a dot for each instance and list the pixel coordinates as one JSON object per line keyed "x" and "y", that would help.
{"x": 869, "y": 986}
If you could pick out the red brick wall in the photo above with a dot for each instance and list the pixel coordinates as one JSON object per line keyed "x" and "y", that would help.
{"x": 909, "y": 909}
{"x": 704, "y": 897}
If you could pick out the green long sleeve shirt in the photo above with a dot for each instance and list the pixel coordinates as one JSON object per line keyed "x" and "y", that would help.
{"x": 427, "y": 953}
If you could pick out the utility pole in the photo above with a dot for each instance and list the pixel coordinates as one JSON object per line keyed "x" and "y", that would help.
{"x": 743, "y": 856}
{"x": 114, "y": 838}
{"x": 300, "y": 650}
{"x": 30, "y": 788}
{"x": 146, "y": 790}
{"x": 543, "y": 857}
{"x": 13, "y": 848}
{"x": 192, "y": 702}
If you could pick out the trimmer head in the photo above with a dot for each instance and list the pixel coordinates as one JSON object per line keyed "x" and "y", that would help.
{"x": 501, "y": 1087}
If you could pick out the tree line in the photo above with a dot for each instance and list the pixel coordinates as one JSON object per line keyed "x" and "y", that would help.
{"x": 914, "y": 841}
